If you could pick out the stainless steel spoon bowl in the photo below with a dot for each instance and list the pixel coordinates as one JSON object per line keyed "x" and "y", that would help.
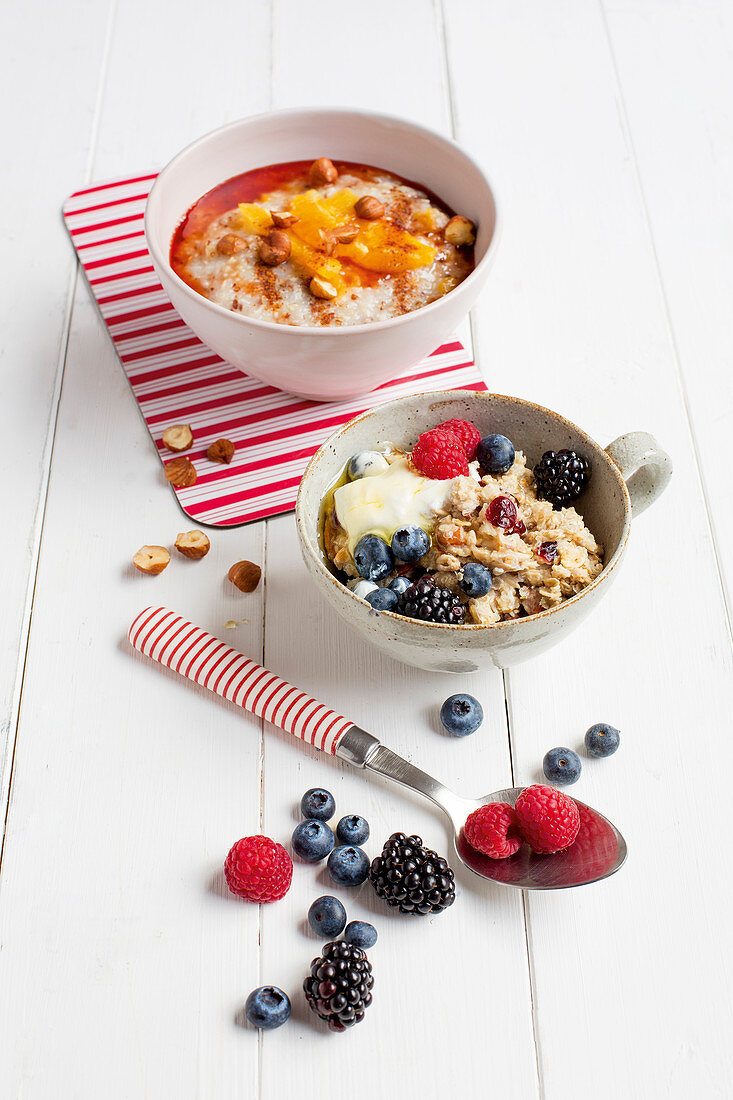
{"x": 598, "y": 851}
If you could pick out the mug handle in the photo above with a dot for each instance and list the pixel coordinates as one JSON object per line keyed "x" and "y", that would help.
{"x": 644, "y": 466}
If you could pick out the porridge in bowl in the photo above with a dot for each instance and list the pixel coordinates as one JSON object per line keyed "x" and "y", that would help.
{"x": 460, "y": 530}
{"x": 322, "y": 244}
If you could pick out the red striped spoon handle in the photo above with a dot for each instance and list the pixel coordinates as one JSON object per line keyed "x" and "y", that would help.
{"x": 172, "y": 641}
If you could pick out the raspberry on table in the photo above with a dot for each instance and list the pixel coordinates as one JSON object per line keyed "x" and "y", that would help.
{"x": 258, "y": 869}
{"x": 548, "y": 819}
{"x": 494, "y": 830}
{"x": 439, "y": 454}
{"x": 467, "y": 432}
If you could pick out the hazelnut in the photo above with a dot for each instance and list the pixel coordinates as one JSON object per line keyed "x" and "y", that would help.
{"x": 193, "y": 544}
{"x": 322, "y": 171}
{"x": 460, "y": 231}
{"x": 221, "y": 451}
{"x": 178, "y": 437}
{"x": 245, "y": 575}
{"x": 319, "y": 288}
{"x": 282, "y": 219}
{"x": 151, "y": 560}
{"x": 369, "y": 208}
{"x": 181, "y": 472}
{"x": 345, "y": 234}
{"x": 230, "y": 244}
{"x": 275, "y": 248}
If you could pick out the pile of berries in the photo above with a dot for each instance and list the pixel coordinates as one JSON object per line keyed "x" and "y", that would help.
{"x": 545, "y": 818}
{"x": 564, "y": 766}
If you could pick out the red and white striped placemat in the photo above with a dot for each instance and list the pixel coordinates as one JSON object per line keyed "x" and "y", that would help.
{"x": 177, "y": 379}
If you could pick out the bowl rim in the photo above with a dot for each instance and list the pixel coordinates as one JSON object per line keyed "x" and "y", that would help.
{"x": 312, "y": 331}
{"x": 444, "y": 395}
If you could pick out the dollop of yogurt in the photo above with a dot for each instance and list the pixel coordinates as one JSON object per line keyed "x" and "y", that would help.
{"x": 399, "y": 497}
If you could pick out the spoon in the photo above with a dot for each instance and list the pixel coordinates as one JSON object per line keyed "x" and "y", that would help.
{"x": 598, "y": 851}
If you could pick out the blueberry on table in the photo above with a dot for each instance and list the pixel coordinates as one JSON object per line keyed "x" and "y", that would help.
{"x": 361, "y": 934}
{"x": 267, "y": 1007}
{"x": 410, "y": 543}
{"x": 562, "y": 766}
{"x": 353, "y": 829}
{"x": 495, "y": 454}
{"x": 318, "y": 803}
{"x": 602, "y": 739}
{"x": 476, "y": 580}
{"x": 366, "y": 464}
{"x": 383, "y": 599}
{"x": 327, "y": 916}
{"x": 373, "y": 558}
{"x": 461, "y": 714}
{"x": 312, "y": 841}
{"x": 348, "y": 866}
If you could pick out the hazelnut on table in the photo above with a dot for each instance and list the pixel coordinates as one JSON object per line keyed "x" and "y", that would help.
{"x": 193, "y": 544}
{"x": 245, "y": 575}
{"x": 151, "y": 560}
{"x": 178, "y": 437}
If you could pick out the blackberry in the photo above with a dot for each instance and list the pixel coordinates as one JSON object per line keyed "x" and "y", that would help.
{"x": 338, "y": 988}
{"x": 561, "y": 476}
{"x": 411, "y": 877}
{"x": 424, "y": 600}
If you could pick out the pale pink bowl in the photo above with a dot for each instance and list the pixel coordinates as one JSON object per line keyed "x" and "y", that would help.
{"x": 321, "y": 363}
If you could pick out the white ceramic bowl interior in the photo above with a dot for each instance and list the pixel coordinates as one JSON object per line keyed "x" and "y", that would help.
{"x": 322, "y": 363}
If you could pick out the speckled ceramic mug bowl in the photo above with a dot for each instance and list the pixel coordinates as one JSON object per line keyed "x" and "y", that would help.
{"x": 626, "y": 478}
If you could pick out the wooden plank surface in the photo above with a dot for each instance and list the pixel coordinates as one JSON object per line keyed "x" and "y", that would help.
{"x": 124, "y": 962}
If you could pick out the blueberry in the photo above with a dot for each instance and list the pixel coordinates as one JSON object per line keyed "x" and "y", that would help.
{"x": 353, "y": 830}
{"x": 562, "y": 766}
{"x": 461, "y": 714}
{"x": 602, "y": 739}
{"x": 366, "y": 464}
{"x": 348, "y": 866}
{"x": 476, "y": 580}
{"x": 410, "y": 543}
{"x": 312, "y": 840}
{"x": 373, "y": 558}
{"x": 383, "y": 599}
{"x": 495, "y": 454}
{"x": 267, "y": 1007}
{"x": 363, "y": 588}
{"x": 360, "y": 933}
{"x": 327, "y": 917}
{"x": 318, "y": 803}
{"x": 400, "y": 584}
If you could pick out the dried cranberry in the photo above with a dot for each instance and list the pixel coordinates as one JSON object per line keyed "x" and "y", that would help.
{"x": 547, "y": 551}
{"x": 519, "y": 528}
{"x": 503, "y": 513}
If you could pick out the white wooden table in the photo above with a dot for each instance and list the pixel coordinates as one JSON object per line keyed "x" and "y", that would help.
{"x": 124, "y": 963}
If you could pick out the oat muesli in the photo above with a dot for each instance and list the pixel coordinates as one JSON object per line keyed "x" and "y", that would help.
{"x": 478, "y": 545}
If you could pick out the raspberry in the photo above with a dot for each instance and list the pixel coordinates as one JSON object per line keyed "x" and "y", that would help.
{"x": 493, "y": 830}
{"x": 467, "y": 432}
{"x": 439, "y": 454}
{"x": 548, "y": 819}
{"x": 258, "y": 869}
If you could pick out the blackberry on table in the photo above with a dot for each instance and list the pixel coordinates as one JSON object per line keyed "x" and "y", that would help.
{"x": 411, "y": 877}
{"x": 339, "y": 986}
{"x": 425, "y": 600}
{"x": 560, "y": 477}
